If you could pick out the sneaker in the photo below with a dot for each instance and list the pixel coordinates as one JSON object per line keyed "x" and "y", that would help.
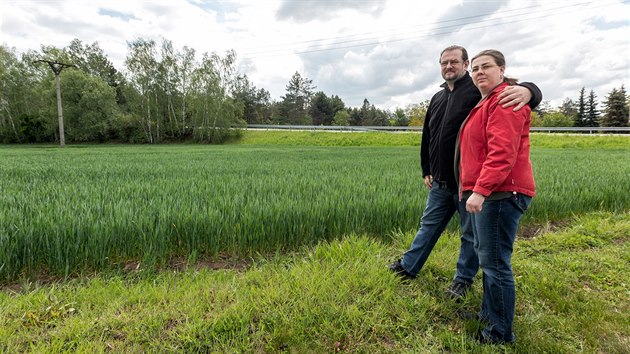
{"x": 457, "y": 290}
{"x": 399, "y": 270}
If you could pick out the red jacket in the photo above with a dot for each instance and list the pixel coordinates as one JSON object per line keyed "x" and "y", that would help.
{"x": 494, "y": 149}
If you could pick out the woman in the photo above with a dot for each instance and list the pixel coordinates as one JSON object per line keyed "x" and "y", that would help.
{"x": 497, "y": 179}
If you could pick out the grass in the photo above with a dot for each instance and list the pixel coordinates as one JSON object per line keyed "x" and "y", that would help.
{"x": 84, "y": 208}
{"x": 86, "y": 211}
{"x": 326, "y": 138}
{"x": 337, "y": 296}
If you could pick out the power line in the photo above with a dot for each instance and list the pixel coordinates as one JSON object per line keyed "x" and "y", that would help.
{"x": 303, "y": 46}
{"x": 347, "y": 37}
{"x": 375, "y": 40}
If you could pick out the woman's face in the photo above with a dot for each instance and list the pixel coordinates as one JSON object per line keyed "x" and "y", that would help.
{"x": 486, "y": 74}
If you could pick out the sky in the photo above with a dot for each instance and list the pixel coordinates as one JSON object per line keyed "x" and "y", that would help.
{"x": 384, "y": 50}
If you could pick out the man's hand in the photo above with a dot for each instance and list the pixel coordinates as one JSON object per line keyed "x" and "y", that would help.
{"x": 428, "y": 180}
{"x": 515, "y": 95}
{"x": 475, "y": 203}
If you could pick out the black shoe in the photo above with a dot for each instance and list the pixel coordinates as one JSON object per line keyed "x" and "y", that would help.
{"x": 399, "y": 270}
{"x": 467, "y": 315}
{"x": 486, "y": 340}
{"x": 457, "y": 290}
{"x": 479, "y": 337}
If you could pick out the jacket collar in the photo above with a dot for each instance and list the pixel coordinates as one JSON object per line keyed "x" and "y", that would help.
{"x": 495, "y": 91}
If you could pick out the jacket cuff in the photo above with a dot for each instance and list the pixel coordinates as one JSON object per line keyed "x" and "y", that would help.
{"x": 485, "y": 192}
{"x": 537, "y": 95}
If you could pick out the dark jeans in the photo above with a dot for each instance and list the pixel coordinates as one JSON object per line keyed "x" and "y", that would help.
{"x": 495, "y": 230}
{"x": 441, "y": 205}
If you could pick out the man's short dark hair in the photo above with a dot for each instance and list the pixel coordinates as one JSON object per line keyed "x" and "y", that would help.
{"x": 455, "y": 47}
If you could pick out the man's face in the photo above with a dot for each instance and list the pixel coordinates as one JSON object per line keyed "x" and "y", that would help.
{"x": 452, "y": 65}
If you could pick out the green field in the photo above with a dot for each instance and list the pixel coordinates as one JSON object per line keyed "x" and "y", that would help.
{"x": 572, "y": 297}
{"x": 280, "y": 244}
{"x": 87, "y": 208}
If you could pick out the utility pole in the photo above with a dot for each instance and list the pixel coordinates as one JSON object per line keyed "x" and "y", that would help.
{"x": 56, "y": 67}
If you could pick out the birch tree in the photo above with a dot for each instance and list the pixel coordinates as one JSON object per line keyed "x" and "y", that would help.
{"x": 142, "y": 66}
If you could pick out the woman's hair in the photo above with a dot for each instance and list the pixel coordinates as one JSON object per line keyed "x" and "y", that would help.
{"x": 499, "y": 59}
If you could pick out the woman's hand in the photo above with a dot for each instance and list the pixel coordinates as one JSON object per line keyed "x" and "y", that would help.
{"x": 475, "y": 203}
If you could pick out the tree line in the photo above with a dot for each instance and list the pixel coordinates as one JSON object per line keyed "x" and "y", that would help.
{"x": 166, "y": 94}
{"x": 584, "y": 112}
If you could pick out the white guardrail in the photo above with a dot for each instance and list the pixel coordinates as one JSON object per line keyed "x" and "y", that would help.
{"x": 590, "y": 130}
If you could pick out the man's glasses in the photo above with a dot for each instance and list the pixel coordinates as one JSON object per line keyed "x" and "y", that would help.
{"x": 452, "y": 62}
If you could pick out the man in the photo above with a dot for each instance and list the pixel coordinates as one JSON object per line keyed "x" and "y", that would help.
{"x": 447, "y": 110}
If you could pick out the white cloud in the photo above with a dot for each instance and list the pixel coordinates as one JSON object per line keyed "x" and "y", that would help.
{"x": 385, "y": 51}
{"x": 310, "y": 10}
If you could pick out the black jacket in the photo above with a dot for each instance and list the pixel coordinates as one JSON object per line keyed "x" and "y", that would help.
{"x": 446, "y": 113}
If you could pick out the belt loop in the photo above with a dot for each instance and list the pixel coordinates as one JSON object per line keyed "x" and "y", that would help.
{"x": 442, "y": 184}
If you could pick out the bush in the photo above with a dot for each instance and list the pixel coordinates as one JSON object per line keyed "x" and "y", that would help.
{"x": 35, "y": 129}
{"x": 556, "y": 119}
{"x": 126, "y": 128}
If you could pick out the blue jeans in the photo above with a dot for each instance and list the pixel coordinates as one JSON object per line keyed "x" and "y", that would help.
{"x": 441, "y": 205}
{"x": 495, "y": 230}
